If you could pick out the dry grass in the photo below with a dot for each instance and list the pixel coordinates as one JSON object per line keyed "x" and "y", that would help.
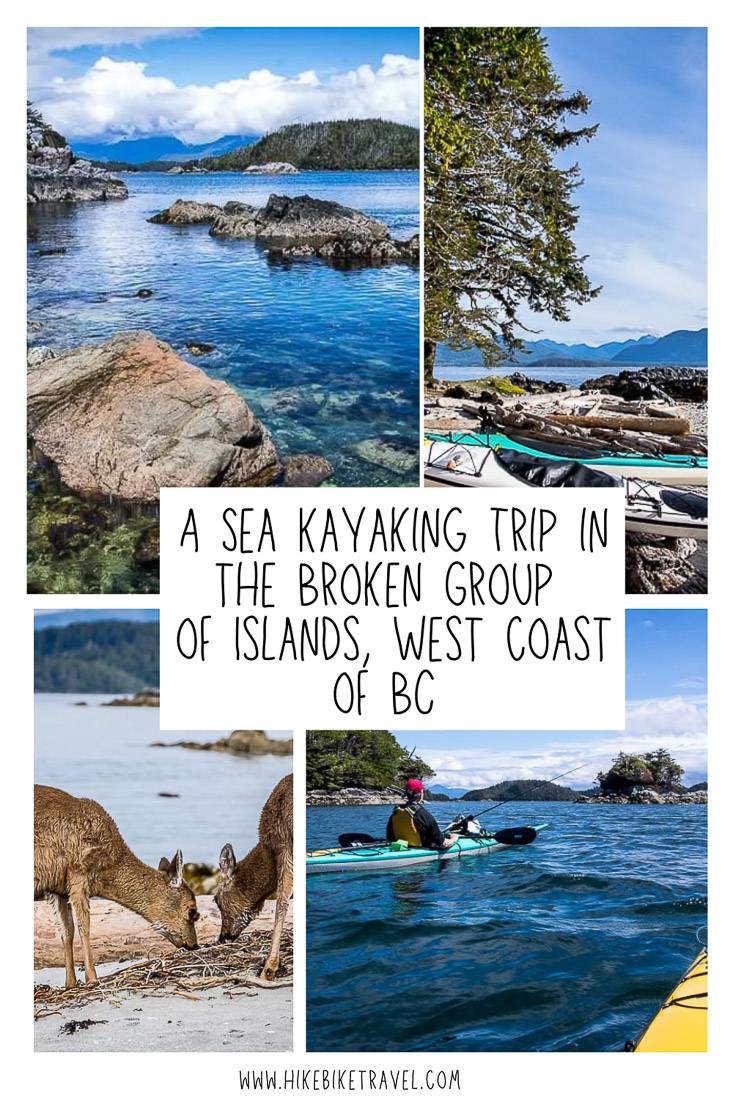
{"x": 234, "y": 965}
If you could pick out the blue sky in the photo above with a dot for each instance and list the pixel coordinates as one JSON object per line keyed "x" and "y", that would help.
{"x": 643, "y": 202}
{"x": 666, "y": 661}
{"x": 200, "y": 84}
{"x": 54, "y": 617}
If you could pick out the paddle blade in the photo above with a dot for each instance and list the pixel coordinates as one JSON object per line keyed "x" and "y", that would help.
{"x": 524, "y": 835}
{"x": 351, "y": 840}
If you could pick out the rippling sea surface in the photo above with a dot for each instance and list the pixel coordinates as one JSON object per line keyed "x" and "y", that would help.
{"x": 328, "y": 358}
{"x": 568, "y": 944}
{"x": 104, "y": 753}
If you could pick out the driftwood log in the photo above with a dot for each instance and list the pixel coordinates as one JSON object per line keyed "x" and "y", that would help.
{"x": 667, "y": 426}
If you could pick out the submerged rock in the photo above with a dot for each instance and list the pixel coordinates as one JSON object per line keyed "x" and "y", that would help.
{"x": 198, "y": 347}
{"x": 401, "y": 459}
{"x": 126, "y": 417}
{"x": 307, "y": 471}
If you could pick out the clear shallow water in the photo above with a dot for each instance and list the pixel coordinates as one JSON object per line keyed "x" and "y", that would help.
{"x": 569, "y": 944}
{"x": 327, "y": 358}
{"x": 103, "y": 753}
{"x": 462, "y": 367}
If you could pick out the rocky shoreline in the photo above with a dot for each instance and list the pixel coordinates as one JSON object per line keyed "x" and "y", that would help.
{"x": 238, "y": 743}
{"x": 351, "y": 796}
{"x": 646, "y": 797}
{"x": 56, "y": 175}
{"x": 298, "y": 227}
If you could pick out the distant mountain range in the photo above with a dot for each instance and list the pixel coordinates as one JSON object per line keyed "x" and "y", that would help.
{"x": 160, "y": 148}
{"x": 92, "y": 614}
{"x": 683, "y": 347}
{"x": 449, "y": 792}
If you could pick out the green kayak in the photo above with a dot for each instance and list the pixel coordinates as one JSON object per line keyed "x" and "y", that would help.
{"x": 669, "y": 469}
{"x": 380, "y": 856}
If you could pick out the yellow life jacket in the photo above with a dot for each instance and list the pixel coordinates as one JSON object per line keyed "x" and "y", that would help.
{"x": 403, "y": 825}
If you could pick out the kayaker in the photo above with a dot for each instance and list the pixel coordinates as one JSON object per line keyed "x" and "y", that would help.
{"x": 414, "y": 824}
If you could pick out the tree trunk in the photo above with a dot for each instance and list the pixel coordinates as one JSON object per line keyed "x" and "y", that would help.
{"x": 429, "y": 348}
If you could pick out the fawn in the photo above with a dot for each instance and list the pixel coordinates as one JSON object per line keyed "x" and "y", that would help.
{"x": 79, "y": 854}
{"x": 245, "y": 885}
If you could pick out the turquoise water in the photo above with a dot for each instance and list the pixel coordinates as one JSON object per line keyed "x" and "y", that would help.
{"x": 328, "y": 358}
{"x": 104, "y": 753}
{"x": 568, "y": 944}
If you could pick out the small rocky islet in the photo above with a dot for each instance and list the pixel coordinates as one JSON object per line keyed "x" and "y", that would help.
{"x": 298, "y": 227}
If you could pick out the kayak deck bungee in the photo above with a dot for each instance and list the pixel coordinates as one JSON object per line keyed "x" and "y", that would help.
{"x": 380, "y": 856}
{"x": 650, "y": 508}
{"x": 670, "y": 469}
{"x": 681, "y": 1024}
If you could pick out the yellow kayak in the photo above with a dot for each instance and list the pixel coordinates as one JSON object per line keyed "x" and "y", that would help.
{"x": 682, "y": 1022}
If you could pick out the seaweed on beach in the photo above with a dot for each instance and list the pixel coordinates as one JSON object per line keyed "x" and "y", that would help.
{"x": 185, "y": 974}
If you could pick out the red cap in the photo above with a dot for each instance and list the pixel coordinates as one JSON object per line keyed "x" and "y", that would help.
{"x": 414, "y": 785}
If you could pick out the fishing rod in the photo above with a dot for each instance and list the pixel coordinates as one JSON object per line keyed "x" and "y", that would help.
{"x": 521, "y": 798}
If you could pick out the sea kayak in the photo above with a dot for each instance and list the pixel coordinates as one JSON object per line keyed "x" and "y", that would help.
{"x": 667, "y": 469}
{"x": 651, "y": 508}
{"x": 682, "y": 1022}
{"x": 381, "y": 857}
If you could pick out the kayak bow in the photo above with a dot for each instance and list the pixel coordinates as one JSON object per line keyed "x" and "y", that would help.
{"x": 381, "y": 856}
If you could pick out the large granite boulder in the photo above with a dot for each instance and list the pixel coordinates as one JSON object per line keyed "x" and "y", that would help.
{"x": 124, "y": 418}
{"x": 55, "y": 174}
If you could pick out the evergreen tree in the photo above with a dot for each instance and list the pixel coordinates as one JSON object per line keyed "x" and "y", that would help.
{"x": 499, "y": 215}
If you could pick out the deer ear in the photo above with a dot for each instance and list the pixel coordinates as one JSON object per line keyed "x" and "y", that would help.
{"x": 227, "y": 861}
{"x": 176, "y": 870}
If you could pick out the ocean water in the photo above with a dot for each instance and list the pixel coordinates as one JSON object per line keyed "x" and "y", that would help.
{"x": 104, "y": 753}
{"x": 568, "y": 944}
{"x": 465, "y": 366}
{"x": 328, "y": 358}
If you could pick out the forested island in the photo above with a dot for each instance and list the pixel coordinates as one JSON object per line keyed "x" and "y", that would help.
{"x": 347, "y": 145}
{"x": 97, "y": 657}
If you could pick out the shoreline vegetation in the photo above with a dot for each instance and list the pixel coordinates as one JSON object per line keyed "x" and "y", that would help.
{"x": 369, "y": 768}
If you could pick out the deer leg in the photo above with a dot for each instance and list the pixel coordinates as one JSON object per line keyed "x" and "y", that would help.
{"x": 62, "y": 909}
{"x": 284, "y": 890}
{"x": 80, "y": 905}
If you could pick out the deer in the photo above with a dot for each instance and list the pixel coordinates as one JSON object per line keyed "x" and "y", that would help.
{"x": 268, "y": 867}
{"x": 79, "y": 853}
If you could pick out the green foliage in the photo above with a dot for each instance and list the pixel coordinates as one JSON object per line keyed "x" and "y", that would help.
{"x": 77, "y": 546}
{"x": 499, "y": 215}
{"x": 97, "y": 657}
{"x": 522, "y": 790}
{"x": 650, "y": 769}
{"x": 349, "y": 145}
{"x": 368, "y": 758}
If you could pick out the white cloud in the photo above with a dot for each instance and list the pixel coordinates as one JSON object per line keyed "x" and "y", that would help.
{"x": 120, "y": 97}
{"x": 46, "y": 43}
{"x": 677, "y": 724}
